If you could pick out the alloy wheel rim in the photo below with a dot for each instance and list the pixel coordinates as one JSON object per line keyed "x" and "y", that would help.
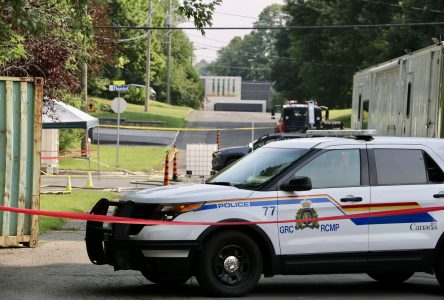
{"x": 232, "y": 265}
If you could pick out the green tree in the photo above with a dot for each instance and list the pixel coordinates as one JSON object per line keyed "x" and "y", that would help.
{"x": 252, "y": 56}
{"x": 52, "y": 39}
{"x": 129, "y": 59}
{"x": 323, "y": 61}
{"x": 320, "y": 64}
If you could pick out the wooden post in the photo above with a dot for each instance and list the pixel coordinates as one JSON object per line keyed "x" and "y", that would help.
{"x": 218, "y": 140}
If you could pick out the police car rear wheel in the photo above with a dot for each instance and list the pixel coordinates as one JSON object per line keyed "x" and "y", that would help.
{"x": 439, "y": 269}
{"x": 229, "y": 265}
{"x": 391, "y": 278}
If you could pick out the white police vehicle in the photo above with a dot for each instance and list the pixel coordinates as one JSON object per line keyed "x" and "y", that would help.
{"x": 301, "y": 179}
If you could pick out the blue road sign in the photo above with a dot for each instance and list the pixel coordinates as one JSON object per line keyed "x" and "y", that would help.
{"x": 118, "y": 88}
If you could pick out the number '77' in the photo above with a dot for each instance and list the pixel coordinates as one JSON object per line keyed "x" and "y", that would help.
{"x": 269, "y": 210}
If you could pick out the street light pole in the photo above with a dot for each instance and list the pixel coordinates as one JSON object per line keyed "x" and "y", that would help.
{"x": 148, "y": 58}
{"x": 169, "y": 21}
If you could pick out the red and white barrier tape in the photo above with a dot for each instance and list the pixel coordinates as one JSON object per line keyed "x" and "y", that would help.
{"x": 68, "y": 151}
{"x": 123, "y": 220}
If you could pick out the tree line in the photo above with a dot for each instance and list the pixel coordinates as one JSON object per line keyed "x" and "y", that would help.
{"x": 54, "y": 38}
{"x": 320, "y": 63}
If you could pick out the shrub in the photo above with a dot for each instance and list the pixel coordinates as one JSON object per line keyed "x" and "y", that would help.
{"x": 135, "y": 95}
{"x": 70, "y": 138}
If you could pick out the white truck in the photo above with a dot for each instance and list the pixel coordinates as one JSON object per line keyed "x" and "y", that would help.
{"x": 403, "y": 96}
{"x": 288, "y": 185}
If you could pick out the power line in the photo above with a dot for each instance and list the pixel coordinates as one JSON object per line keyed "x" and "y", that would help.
{"x": 235, "y": 15}
{"x": 241, "y": 68}
{"x": 295, "y": 27}
{"x": 321, "y": 64}
{"x": 210, "y": 46}
{"x": 130, "y": 39}
{"x": 205, "y": 38}
{"x": 401, "y": 6}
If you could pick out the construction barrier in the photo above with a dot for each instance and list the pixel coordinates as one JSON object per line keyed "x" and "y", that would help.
{"x": 175, "y": 175}
{"x": 218, "y": 140}
{"x": 58, "y": 156}
{"x": 167, "y": 171}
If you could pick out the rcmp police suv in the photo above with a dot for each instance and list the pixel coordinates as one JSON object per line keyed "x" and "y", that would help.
{"x": 301, "y": 180}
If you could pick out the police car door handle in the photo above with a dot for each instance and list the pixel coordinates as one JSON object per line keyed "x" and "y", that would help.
{"x": 351, "y": 199}
{"x": 440, "y": 195}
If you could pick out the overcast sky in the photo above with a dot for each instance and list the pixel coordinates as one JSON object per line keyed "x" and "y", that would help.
{"x": 247, "y": 11}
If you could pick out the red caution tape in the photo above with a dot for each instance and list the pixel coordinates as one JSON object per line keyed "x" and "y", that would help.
{"x": 122, "y": 220}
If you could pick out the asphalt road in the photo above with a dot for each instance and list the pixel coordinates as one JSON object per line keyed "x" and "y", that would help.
{"x": 197, "y": 119}
{"x": 134, "y": 136}
{"x": 60, "y": 269}
{"x": 225, "y": 120}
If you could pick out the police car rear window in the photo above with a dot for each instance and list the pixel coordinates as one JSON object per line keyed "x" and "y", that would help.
{"x": 400, "y": 166}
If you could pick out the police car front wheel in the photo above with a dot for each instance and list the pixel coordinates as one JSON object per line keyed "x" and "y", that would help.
{"x": 391, "y": 278}
{"x": 230, "y": 264}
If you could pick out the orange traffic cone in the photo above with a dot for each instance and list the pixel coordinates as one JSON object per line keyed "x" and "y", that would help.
{"x": 167, "y": 171}
{"x": 175, "y": 176}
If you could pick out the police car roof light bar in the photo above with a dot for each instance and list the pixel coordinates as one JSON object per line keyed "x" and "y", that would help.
{"x": 358, "y": 134}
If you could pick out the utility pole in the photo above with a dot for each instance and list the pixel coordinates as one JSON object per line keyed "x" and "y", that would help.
{"x": 84, "y": 88}
{"x": 169, "y": 22}
{"x": 148, "y": 58}
{"x": 84, "y": 81}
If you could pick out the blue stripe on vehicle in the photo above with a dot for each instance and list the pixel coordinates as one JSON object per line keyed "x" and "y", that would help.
{"x": 262, "y": 203}
{"x": 267, "y": 202}
{"x": 412, "y": 218}
{"x": 208, "y": 206}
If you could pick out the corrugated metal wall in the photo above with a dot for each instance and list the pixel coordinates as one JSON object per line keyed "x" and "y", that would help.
{"x": 20, "y": 142}
{"x": 404, "y": 95}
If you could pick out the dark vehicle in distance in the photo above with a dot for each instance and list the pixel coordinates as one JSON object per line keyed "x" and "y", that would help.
{"x": 227, "y": 156}
{"x": 300, "y": 117}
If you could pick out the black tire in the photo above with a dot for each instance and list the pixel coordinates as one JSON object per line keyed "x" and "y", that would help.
{"x": 229, "y": 249}
{"x": 391, "y": 278}
{"x": 439, "y": 269}
{"x": 164, "y": 279}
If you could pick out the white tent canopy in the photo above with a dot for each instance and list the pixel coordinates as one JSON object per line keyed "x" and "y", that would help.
{"x": 64, "y": 116}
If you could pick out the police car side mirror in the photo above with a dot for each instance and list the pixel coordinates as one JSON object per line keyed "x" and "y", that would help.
{"x": 300, "y": 183}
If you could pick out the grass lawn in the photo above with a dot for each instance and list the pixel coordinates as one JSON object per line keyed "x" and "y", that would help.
{"x": 132, "y": 158}
{"x": 173, "y": 116}
{"x": 343, "y": 115}
{"x": 77, "y": 201}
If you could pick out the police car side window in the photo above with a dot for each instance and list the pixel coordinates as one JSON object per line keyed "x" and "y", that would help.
{"x": 434, "y": 172}
{"x": 400, "y": 166}
{"x": 334, "y": 168}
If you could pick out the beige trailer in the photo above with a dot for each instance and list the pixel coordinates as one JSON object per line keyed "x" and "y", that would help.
{"x": 401, "y": 97}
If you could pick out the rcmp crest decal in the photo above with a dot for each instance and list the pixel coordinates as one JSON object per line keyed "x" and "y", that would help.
{"x": 306, "y": 213}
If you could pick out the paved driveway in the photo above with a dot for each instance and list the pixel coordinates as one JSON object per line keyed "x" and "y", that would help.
{"x": 60, "y": 269}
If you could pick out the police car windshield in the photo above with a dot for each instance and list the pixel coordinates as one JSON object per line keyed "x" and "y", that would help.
{"x": 257, "y": 168}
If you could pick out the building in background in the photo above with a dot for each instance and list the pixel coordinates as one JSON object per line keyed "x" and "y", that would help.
{"x": 258, "y": 90}
{"x": 229, "y": 93}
